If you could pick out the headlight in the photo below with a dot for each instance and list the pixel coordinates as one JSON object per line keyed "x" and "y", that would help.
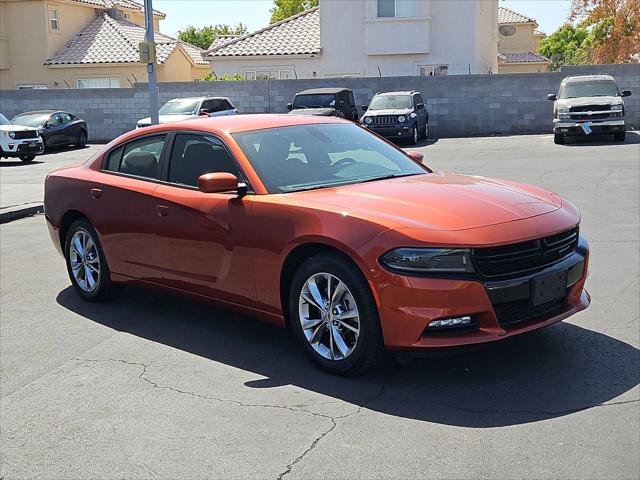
{"x": 563, "y": 109}
{"x": 402, "y": 119}
{"x": 617, "y": 107}
{"x": 367, "y": 120}
{"x": 431, "y": 260}
{"x": 12, "y": 134}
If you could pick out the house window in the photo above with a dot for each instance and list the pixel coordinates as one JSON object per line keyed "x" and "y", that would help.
{"x": 396, "y": 8}
{"x": 35, "y": 86}
{"x": 431, "y": 70}
{"x": 98, "y": 83}
{"x": 54, "y": 21}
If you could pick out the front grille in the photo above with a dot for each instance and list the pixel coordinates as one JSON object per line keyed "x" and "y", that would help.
{"x": 384, "y": 120}
{"x": 590, "y": 108}
{"x": 597, "y": 116}
{"x": 509, "y": 314}
{"x": 523, "y": 257}
{"x": 22, "y": 135}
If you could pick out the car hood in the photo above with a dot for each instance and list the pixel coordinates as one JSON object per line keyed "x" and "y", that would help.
{"x": 435, "y": 201}
{"x": 168, "y": 118}
{"x": 581, "y": 101}
{"x": 16, "y": 128}
{"x": 389, "y": 111}
{"x": 320, "y": 112}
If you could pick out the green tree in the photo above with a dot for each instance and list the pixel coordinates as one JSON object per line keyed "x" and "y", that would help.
{"x": 285, "y": 8}
{"x": 569, "y": 45}
{"x": 204, "y": 37}
{"x": 210, "y": 77}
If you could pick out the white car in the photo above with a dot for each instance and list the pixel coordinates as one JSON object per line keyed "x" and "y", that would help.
{"x": 187, "y": 108}
{"x": 19, "y": 141}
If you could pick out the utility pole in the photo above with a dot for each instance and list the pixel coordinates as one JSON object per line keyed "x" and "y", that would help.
{"x": 151, "y": 63}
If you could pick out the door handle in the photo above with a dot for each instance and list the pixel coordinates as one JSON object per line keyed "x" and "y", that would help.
{"x": 162, "y": 210}
{"x": 96, "y": 193}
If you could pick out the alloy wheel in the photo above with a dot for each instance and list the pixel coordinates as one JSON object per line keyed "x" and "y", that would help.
{"x": 84, "y": 260}
{"x": 329, "y": 316}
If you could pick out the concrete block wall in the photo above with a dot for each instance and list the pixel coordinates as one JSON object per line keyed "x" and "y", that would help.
{"x": 458, "y": 105}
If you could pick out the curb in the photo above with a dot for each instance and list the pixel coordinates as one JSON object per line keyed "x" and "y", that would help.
{"x": 26, "y": 210}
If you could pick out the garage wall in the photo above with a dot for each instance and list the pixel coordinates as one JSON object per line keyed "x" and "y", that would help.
{"x": 458, "y": 105}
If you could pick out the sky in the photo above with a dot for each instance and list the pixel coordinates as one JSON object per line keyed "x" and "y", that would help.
{"x": 550, "y": 14}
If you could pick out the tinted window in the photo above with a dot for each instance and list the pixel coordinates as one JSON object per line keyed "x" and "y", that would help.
{"x": 139, "y": 158}
{"x": 315, "y": 100}
{"x": 195, "y": 155}
{"x": 314, "y": 156}
{"x": 226, "y": 105}
{"x": 55, "y": 119}
{"x": 113, "y": 159}
{"x": 66, "y": 117}
{"x": 419, "y": 99}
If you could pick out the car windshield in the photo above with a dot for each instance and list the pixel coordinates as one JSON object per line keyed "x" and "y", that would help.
{"x": 596, "y": 88}
{"x": 3, "y": 120}
{"x": 179, "y": 107}
{"x": 31, "y": 119}
{"x": 391, "y": 102}
{"x": 316, "y": 100}
{"x": 305, "y": 157}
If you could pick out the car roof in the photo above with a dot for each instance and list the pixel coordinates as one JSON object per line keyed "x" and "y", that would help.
{"x": 586, "y": 78}
{"x": 324, "y": 90}
{"x": 39, "y": 112}
{"x": 197, "y": 98}
{"x": 244, "y": 123}
{"x": 407, "y": 92}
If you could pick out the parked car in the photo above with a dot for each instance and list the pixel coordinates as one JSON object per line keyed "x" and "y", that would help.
{"x": 317, "y": 224}
{"x": 56, "y": 127}
{"x": 180, "y": 109}
{"x": 588, "y": 105}
{"x": 400, "y": 115}
{"x": 325, "y": 102}
{"x": 19, "y": 141}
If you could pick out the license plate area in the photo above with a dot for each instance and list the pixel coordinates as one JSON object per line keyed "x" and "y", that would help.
{"x": 548, "y": 288}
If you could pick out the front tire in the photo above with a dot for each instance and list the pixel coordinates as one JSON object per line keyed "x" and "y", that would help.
{"x": 414, "y": 135}
{"x": 619, "y": 136}
{"x": 86, "y": 264}
{"x": 27, "y": 158}
{"x": 558, "y": 139}
{"x": 82, "y": 139}
{"x": 334, "y": 316}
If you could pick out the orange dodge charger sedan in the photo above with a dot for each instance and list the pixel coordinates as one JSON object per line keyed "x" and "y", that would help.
{"x": 317, "y": 224}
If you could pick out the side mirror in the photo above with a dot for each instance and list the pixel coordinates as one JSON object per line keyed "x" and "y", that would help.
{"x": 203, "y": 112}
{"x": 420, "y": 106}
{"x": 552, "y": 97}
{"x": 220, "y": 182}
{"x": 625, "y": 93}
{"x": 364, "y": 108}
{"x": 417, "y": 156}
{"x": 46, "y": 125}
{"x": 289, "y": 106}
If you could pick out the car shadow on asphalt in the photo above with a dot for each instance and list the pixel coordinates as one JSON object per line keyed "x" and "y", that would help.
{"x": 18, "y": 163}
{"x": 551, "y": 373}
{"x": 632, "y": 138}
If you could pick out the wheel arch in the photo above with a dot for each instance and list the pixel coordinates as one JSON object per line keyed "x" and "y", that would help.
{"x": 68, "y": 218}
{"x": 299, "y": 254}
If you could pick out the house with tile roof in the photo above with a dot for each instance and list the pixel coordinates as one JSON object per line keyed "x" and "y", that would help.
{"x": 517, "y": 53}
{"x": 86, "y": 44}
{"x": 367, "y": 38}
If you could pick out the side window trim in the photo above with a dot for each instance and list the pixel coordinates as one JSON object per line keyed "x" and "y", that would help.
{"x": 105, "y": 159}
{"x": 168, "y": 150}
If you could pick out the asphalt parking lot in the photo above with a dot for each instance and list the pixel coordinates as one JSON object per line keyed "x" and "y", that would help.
{"x": 153, "y": 386}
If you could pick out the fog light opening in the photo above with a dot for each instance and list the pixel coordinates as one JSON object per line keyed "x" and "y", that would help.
{"x": 450, "y": 323}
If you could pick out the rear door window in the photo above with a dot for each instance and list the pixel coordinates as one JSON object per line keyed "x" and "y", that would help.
{"x": 140, "y": 158}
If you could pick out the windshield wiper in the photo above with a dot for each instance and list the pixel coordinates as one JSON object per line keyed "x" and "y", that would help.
{"x": 387, "y": 177}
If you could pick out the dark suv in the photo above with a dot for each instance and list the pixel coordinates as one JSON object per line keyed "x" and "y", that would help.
{"x": 336, "y": 102}
{"x": 397, "y": 115}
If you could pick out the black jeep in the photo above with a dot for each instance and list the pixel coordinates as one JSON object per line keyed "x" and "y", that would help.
{"x": 336, "y": 102}
{"x": 397, "y": 115}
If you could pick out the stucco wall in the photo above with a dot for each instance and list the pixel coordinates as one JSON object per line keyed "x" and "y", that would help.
{"x": 523, "y": 68}
{"x": 521, "y": 41}
{"x": 458, "y": 105}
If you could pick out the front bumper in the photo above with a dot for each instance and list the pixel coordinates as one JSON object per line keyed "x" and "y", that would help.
{"x": 391, "y": 131}
{"x": 498, "y": 309}
{"x": 18, "y": 148}
{"x": 598, "y": 127}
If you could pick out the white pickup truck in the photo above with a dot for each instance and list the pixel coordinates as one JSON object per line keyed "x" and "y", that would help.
{"x": 588, "y": 105}
{"x": 19, "y": 141}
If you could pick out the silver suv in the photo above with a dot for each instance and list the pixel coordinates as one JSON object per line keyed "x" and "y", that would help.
{"x": 588, "y": 105}
{"x": 180, "y": 109}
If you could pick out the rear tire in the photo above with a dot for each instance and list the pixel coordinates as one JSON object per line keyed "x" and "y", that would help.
{"x": 344, "y": 337}
{"x": 86, "y": 264}
{"x": 27, "y": 158}
{"x": 558, "y": 139}
{"x": 619, "y": 136}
